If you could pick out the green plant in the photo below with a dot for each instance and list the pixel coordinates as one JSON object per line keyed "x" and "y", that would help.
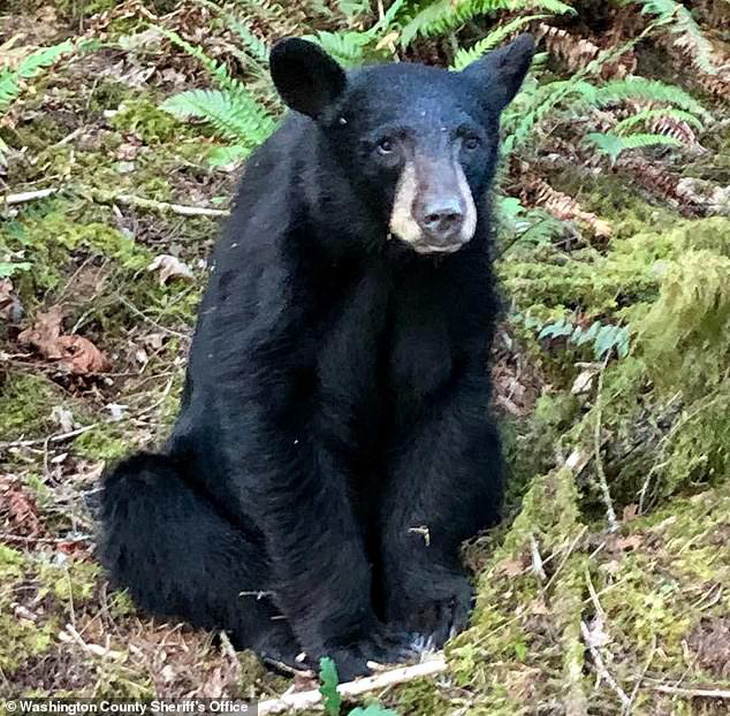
{"x": 29, "y": 67}
{"x": 612, "y": 145}
{"x": 443, "y": 16}
{"x": 686, "y": 33}
{"x": 495, "y": 37}
{"x": 231, "y": 110}
{"x": 331, "y": 699}
{"x": 603, "y": 337}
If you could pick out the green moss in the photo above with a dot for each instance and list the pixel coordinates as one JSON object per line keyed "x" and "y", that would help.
{"x": 529, "y": 444}
{"x": 25, "y": 406}
{"x": 49, "y": 233}
{"x": 518, "y": 613}
{"x": 104, "y": 442}
{"x": 21, "y": 638}
{"x": 652, "y": 593}
{"x": 686, "y": 335}
{"x": 419, "y": 697}
{"x": 72, "y": 583}
{"x": 144, "y": 118}
{"x": 108, "y": 95}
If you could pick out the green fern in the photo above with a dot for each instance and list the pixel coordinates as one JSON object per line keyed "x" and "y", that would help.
{"x": 348, "y": 48}
{"x": 645, "y": 116}
{"x": 604, "y": 338}
{"x": 352, "y": 47}
{"x": 30, "y": 67}
{"x": 217, "y": 69}
{"x": 633, "y": 88}
{"x": 678, "y": 19}
{"x": 523, "y": 227}
{"x": 255, "y": 47}
{"x": 465, "y": 57}
{"x": 442, "y": 16}
{"x": 235, "y": 114}
{"x": 613, "y": 145}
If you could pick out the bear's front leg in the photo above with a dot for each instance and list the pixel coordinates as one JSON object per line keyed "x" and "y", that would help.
{"x": 445, "y": 485}
{"x": 296, "y": 493}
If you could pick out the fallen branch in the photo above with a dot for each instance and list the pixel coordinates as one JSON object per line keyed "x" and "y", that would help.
{"x": 25, "y": 196}
{"x": 600, "y": 472}
{"x": 687, "y": 691}
{"x": 306, "y": 699}
{"x": 107, "y": 197}
{"x": 50, "y": 439}
{"x": 603, "y": 672}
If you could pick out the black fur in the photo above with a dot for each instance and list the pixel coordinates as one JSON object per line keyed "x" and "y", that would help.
{"x": 333, "y": 447}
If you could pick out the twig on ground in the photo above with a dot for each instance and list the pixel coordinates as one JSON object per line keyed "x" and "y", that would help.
{"x": 306, "y": 699}
{"x": 106, "y": 197}
{"x": 537, "y": 564}
{"x": 9, "y": 537}
{"x": 566, "y": 556}
{"x": 26, "y": 196}
{"x": 600, "y": 473}
{"x": 603, "y": 672}
{"x": 706, "y": 693}
{"x": 52, "y": 438}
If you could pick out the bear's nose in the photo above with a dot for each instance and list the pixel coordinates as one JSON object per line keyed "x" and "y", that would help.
{"x": 442, "y": 219}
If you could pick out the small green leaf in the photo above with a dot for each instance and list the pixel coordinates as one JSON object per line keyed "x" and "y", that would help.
{"x": 373, "y": 710}
{"x": 328, "y": 688}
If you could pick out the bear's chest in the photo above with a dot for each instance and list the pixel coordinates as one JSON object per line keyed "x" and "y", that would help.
{"x": 386, "y": 348}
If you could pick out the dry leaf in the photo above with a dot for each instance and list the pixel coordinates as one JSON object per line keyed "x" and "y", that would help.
{"x": 170, "y": 267}
{"x": 75, "y": 354}
{"x": 22, "y": 510}
{"x": 511, "y": 567}
{"x": 44, "y": 333}
{"x": 81, "y": 356}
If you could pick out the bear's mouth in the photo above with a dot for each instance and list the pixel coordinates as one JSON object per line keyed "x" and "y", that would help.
{"x": 425, "y": 248}
{"x": 433, "y": 208}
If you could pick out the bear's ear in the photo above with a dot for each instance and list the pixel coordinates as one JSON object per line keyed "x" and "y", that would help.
{"x": 306, "y": 77}
{"x": 501, "y": 71}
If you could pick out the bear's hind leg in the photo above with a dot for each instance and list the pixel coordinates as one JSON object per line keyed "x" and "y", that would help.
{"x": 180, "y": 558}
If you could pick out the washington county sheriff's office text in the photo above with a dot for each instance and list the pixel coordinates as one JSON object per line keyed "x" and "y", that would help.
{"x": 113, "y": 706}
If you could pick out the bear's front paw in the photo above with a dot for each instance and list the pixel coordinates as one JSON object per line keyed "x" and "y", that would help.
{"x": 383, "y": 646}
{"x": 436, "y": 612}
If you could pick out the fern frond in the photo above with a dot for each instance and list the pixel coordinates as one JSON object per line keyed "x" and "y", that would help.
{"x": 253, "y": 45}
{"x": 217, "y": 69}
{"x": 439, "y": 17}
{"x": 646, "y": 116}
{"x": 465, "y": 57}
{"x": 30, "y": 67}
{"x": 235, "y": 114}
{"x": 688, "y": 35}
{"x": 635, "y": 87}
{"x": 346, "y": 47}
{"x": 612, "y": 145}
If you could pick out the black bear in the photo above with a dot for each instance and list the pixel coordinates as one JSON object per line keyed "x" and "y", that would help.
{"x": 334, "y": 446}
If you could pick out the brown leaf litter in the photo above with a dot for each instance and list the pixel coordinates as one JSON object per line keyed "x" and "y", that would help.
{"x": 73, "y": 353}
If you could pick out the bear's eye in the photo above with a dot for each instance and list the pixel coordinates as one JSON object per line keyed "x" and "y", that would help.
{"x": 385, "y": 146}
{"x": 472, "y": 142}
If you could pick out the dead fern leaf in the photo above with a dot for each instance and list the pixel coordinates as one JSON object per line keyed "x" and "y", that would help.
{"x": 565, "y": 207}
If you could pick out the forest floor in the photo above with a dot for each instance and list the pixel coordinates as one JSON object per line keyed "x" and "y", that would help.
{"x": 573, "y": 617}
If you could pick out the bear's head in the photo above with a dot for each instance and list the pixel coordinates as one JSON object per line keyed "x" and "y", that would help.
{"x": 417, "y": 144}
